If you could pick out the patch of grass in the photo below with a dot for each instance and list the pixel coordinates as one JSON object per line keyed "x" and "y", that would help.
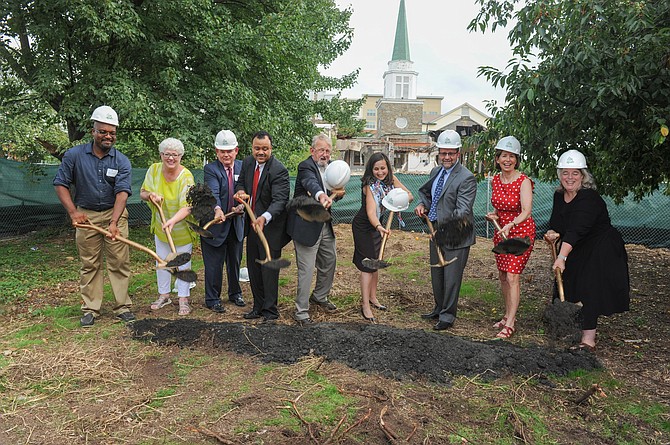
{"x": 285, "y": 420}
{"x": 186, "y": 362}
{"x": 159, "y": 398}
{"x": 481, "y": 290}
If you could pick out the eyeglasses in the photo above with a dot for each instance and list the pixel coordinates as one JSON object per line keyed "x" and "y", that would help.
{"x": 171, "y": 155}
{"x": 104, "y": 133}
{"x": 450, "y": 154}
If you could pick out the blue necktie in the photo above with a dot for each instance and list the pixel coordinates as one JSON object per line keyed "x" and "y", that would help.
{"x": 432, "y": 213}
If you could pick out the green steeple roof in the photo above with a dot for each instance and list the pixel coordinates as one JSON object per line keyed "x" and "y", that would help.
{"x": 401, "y": 44}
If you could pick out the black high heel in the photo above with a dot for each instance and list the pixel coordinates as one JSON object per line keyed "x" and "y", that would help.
{"x": 370, "y": 319}
{"x": 378, "y": 306}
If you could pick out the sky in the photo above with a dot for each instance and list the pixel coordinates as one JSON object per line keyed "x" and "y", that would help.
{"x": 445, "y": 54}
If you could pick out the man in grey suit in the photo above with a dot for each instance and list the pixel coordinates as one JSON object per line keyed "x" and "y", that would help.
{"x": 448, "y": 195}
{"x": 314, "y": 242}
{"x": 226, "y": 246}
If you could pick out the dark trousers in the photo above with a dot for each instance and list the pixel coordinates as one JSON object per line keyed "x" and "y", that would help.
{"x": 447, "y": 280}
{"x": 230, "y": 253}
{"x": 264, "y": 281}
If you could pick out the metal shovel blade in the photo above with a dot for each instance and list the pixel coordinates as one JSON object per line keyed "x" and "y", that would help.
{"x": 279, "y": 263}
{"x": 313, "y": 213}
{"x": 179, "y": 260}
{"x": 185, "y": 275}
{"x": 514, "y": 246}
{"x": 375, "y": 263}
{"x": 199, "y": 230}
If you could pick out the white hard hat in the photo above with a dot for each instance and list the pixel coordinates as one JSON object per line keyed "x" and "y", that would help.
{"x": 396, "y": 200}
{"x": 337, "y": 174}
{"x": 509, "y": 144}
{"x": 571, "y": 159}
{"x": 225, "y": 140}
{"x": 244, "y": 274}
{"x": 105, "y": 115}
{"x": 448, "y": 139}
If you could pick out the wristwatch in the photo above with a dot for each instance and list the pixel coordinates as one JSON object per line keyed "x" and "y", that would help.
{"x": 563, "y": 257}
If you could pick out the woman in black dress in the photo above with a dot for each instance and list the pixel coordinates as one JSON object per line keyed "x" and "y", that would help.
{"x": 367, "y": 227}
{"x": 592, "y": 255}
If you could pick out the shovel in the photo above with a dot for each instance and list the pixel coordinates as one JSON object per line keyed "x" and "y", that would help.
{"x": 268, "y": 262}
{"x": 202, "y": 231}
{"x": 173, "y": 254}
{"x": 441, "y": 261}
{"x": 310, "y": 209}
{"x": 558, "y": 273}
{"x": 379, "y": 263}
{"x": 515, "y": 246}
{"x": 179, "y": 260}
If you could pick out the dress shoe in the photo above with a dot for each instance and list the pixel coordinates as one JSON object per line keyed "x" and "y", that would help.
{"x": 442, "y": 325}
{"x": 326, "y": 304}
{"x": 430, "y": 315}
{"x": 87, "y": 320}
{"x": 126, "y": 317}
{"x": 305, "y": 322}
{"x": 218, "y": 308}
{"x": 370, "y": 319}
{"x": 238, "y": 301}
{"x": 378, "y": 306}
{"x": 251, "y": 315}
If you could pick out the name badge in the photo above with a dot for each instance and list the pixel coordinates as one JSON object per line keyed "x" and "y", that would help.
{"x": 112, "y": 172}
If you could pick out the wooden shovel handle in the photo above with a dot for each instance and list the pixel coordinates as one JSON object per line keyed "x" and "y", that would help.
{"x": 122, "y": 239}
{"x": 558, "y": 273}
{"x": 218, "y": 220}
{"x": 259, "y": 232}
{"x": 167, "y": 232}
{"x": 386, "y": 235}
{"x": 498, "y": 228}
{"x": 440, "y": 257}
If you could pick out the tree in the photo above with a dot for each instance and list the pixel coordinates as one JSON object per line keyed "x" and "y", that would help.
{"x": 593, "y": 75}
{"x": 343, "y": 113}
{"x": 182, "y": 68}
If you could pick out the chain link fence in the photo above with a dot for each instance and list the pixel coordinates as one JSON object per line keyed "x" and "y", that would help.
{"x": 28, "y": 202}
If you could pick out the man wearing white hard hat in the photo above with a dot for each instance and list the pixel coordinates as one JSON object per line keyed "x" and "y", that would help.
{"x": 100, "y": 175}
{"x": 314, "y": 241}
{"x": 226, "y": 246}
{"x": 448, "y": 196}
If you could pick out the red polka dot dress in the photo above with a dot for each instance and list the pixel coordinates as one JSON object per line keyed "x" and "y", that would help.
{"x": 506, "y": 199}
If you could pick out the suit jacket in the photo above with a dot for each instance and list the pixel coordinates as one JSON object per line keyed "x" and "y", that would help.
{"x": 217, "y": 180}
{"x": 457, "y": 198}
{"x": 308, "y": 183}
{"x": 272, "y": 195}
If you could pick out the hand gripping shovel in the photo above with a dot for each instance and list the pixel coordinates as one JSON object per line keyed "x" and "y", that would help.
{"x": 379, "y": 263}
{"x": 441, "y": 261}
{"x": 179, "y": 260}
{"x": 515, "y": 246}
{"x": 173, "y": 254}
{"x": 268, "y": 262}
{"x": 202, "y": 231}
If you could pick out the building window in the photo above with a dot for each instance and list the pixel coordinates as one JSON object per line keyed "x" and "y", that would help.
{"x": 402, "y": 87}
{"x": 357, "y": 158}
{"x": 372, "y": 112}
{"x": 370, "y": 125}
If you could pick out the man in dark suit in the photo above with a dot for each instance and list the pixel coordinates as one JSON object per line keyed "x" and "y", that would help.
{"x": 226, "y": 246}
{"x": 449, "y": 194}
{"x": 314, "y": 242}
{"x": 264, "y": 179}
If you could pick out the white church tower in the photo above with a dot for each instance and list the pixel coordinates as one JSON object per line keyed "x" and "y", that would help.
{"x": 400, "y": 79}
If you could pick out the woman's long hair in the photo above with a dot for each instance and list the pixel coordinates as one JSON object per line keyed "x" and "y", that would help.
{"x": 368, "y": 178}
{"x": 587, "y": 180}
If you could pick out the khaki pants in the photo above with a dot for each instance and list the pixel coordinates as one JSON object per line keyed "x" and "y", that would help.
{"x": 91, "y": 245}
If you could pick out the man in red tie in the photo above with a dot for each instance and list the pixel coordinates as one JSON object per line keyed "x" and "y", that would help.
{"x": 265, "y": 180}
{"x": 226, "y": 246}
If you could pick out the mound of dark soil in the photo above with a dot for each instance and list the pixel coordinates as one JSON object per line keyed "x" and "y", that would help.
{"x": 389, "y": 351}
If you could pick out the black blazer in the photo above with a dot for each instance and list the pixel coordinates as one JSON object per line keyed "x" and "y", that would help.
{"x": 217, "y": 180}
{"x": 272, "y": 196}
{"x": 307, "y": 183}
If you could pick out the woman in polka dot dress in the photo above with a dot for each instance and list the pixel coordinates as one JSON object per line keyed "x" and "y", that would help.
{"x": 512, "y": 199}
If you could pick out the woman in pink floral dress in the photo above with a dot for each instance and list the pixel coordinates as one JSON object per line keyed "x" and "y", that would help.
{"x": 512, "y": 199}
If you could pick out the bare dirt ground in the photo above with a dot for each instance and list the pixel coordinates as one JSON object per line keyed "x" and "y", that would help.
{"x": 405, "y": 383}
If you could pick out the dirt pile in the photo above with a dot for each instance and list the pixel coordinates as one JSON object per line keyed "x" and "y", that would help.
{"x": 392, "y": 352}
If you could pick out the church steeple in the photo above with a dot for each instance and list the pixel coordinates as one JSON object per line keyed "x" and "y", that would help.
{"x": 400, "y": 79}
{"x": 401, "y": 44}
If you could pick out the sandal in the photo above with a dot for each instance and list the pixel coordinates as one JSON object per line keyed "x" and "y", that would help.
{"x": 506, "y": 332}
{"x": 583, "y": 347}
{"x": 163, "y": 300}
{"x": 184, "y": 308}
{"x": 500, "y": 324}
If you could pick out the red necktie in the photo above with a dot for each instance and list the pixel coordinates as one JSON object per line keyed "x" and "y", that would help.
{"x": 230, "y": 188}
{"x": 257, "y": 174}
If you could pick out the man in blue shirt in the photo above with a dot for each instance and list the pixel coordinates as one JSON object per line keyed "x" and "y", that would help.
{"x": 101, "y": 177}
